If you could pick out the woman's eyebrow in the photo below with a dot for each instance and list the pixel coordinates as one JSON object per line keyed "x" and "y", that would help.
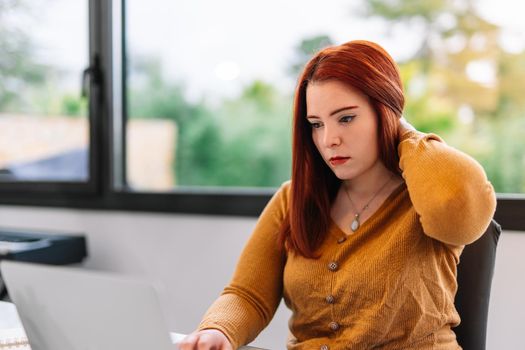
{"x": 342, "y": 109}
{"x": 336, "y": 111}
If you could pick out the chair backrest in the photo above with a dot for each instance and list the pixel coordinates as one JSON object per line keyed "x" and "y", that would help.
{"x": 475, "y": 271}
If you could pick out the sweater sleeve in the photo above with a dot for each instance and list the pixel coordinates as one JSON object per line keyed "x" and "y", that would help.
{"x": 249, "y": 302}
{"x": 449, "y": 189}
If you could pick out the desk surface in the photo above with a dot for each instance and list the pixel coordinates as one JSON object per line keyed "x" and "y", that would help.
{"x": 11, "y": 327}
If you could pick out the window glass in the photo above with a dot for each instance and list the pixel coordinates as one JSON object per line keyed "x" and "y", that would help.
{"x": 44, "y": 130}
{"x": 210, "y": 84}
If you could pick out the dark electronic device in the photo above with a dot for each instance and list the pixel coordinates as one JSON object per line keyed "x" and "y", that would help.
{"x": 40, "y": 247}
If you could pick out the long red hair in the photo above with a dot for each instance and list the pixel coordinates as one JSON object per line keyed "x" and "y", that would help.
{"x": 367, "y": 67}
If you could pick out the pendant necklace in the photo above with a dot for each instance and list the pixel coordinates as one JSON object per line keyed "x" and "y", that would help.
{"x": 355, "y": 223}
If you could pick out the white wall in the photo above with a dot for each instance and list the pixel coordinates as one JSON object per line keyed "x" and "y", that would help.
{"x": 194, "y": 256}
{"x": 506, "y": 324}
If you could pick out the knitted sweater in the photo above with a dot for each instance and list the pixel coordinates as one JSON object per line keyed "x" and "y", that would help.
{"x": 389, "y": 285}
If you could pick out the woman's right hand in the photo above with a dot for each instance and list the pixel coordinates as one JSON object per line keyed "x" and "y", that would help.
{"x": 207, "y": 339}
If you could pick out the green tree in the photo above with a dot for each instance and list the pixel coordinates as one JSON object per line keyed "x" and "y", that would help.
{"x": 198, "y": 139}
{"x": 19, "y": 72}
{"x": 444, "y": 94}
{"x": 304, "y": 51}
{"x": 255, "y": 129}
{"x": 245, "y": 141}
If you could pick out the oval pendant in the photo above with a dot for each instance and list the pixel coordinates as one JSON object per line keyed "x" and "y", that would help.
{"x": 355, "y": 224}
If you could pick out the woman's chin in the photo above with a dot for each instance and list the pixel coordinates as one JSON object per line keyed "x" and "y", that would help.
{"x": 343, "y": 175}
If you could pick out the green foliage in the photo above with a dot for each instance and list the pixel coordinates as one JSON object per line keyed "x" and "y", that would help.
{"x": 405, "y": 9}
{"x": 246, "y": 141}
{"x": 304, "y": 51}
{"x": 73, "y": 106}
{"x": 197, "y": 138}
{"x": 256, "y": 135}
{"x": 427, "y": 120}
{"x": 243, "y": 142}
{"x": 19, "y": 73}
{"x": 498, "y": 145}
{"x": 438, "y": 86}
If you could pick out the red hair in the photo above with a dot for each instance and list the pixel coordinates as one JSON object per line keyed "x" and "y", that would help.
{"x": 367, "y": 67}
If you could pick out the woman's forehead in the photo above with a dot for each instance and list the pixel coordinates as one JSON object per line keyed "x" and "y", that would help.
{"x": 326, "y": 94}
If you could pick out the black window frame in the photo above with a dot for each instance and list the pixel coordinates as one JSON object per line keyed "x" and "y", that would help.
{"x": 106, "y": 189}
{"x": 26, "y": 189}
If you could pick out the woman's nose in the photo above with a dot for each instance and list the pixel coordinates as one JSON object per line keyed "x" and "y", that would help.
{"x": 331, "y": 138}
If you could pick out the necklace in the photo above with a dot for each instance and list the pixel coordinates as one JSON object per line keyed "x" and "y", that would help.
{"x": 355, "y": 223}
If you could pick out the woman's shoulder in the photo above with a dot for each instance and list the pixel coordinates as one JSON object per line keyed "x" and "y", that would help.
{"x": 284, "y": 192}
{"x": 286, "y": 187}
{"x": 280, "y": 202}
{"x": 448, "y": 188}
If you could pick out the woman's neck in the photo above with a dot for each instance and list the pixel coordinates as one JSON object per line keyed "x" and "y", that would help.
{"x": 367, "y": 184}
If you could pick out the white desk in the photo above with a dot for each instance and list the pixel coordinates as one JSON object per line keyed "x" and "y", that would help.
{"x": 11, "y": 327}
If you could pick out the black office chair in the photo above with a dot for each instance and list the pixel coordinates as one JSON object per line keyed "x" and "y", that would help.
{"x": 475, "y": 271}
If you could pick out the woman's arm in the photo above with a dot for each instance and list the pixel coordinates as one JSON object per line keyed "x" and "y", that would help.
{"x": 249, "y": 302}
{"x": 449, "y": 189}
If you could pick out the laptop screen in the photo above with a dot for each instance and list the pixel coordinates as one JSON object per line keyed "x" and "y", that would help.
{"x": 65, "y": 308}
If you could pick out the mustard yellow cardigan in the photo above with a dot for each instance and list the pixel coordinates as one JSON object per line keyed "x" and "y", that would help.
{"x": 390, "y": 285}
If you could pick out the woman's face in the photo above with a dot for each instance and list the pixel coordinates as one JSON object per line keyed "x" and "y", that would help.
{"x": 344, "y": 128}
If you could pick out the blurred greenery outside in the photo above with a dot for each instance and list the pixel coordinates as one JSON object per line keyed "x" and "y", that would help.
{"x": 246, "y": 141}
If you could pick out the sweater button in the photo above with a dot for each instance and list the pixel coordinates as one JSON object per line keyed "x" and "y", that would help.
{"x": 333, "y": 266}
{"x": 333, "y": 326}
{"x": 330, "y": 299}
{"x": 341, "y": 240}
{"x": 324, "y": 347}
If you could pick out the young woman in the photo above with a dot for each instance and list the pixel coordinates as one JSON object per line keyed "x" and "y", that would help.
{"x": 363, "y": 242}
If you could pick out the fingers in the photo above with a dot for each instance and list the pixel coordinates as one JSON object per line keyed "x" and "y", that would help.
{"x": 209, "y": 342}
{"x": 189, "y": 342}
{"x": 205, "y": 340}
{"x": 405, "y": 124}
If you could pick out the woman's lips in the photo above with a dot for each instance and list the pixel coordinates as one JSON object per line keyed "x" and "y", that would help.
{"x": 338, "y": 160}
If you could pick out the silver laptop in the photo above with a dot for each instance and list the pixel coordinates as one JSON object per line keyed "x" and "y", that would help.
{"x": 64, "y": 308}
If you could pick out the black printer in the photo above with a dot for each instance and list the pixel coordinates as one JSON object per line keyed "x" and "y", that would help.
{"x": 40, "y": 247}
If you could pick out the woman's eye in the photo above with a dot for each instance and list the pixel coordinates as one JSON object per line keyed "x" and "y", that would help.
{"x": 315, "y": 125}
{"x": 346, "y": 118}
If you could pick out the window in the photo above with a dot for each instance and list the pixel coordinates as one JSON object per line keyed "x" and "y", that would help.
{"x": 44, "y": 121}
{"x": 201, "y": 108}
{"x": 190, "y": 102}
